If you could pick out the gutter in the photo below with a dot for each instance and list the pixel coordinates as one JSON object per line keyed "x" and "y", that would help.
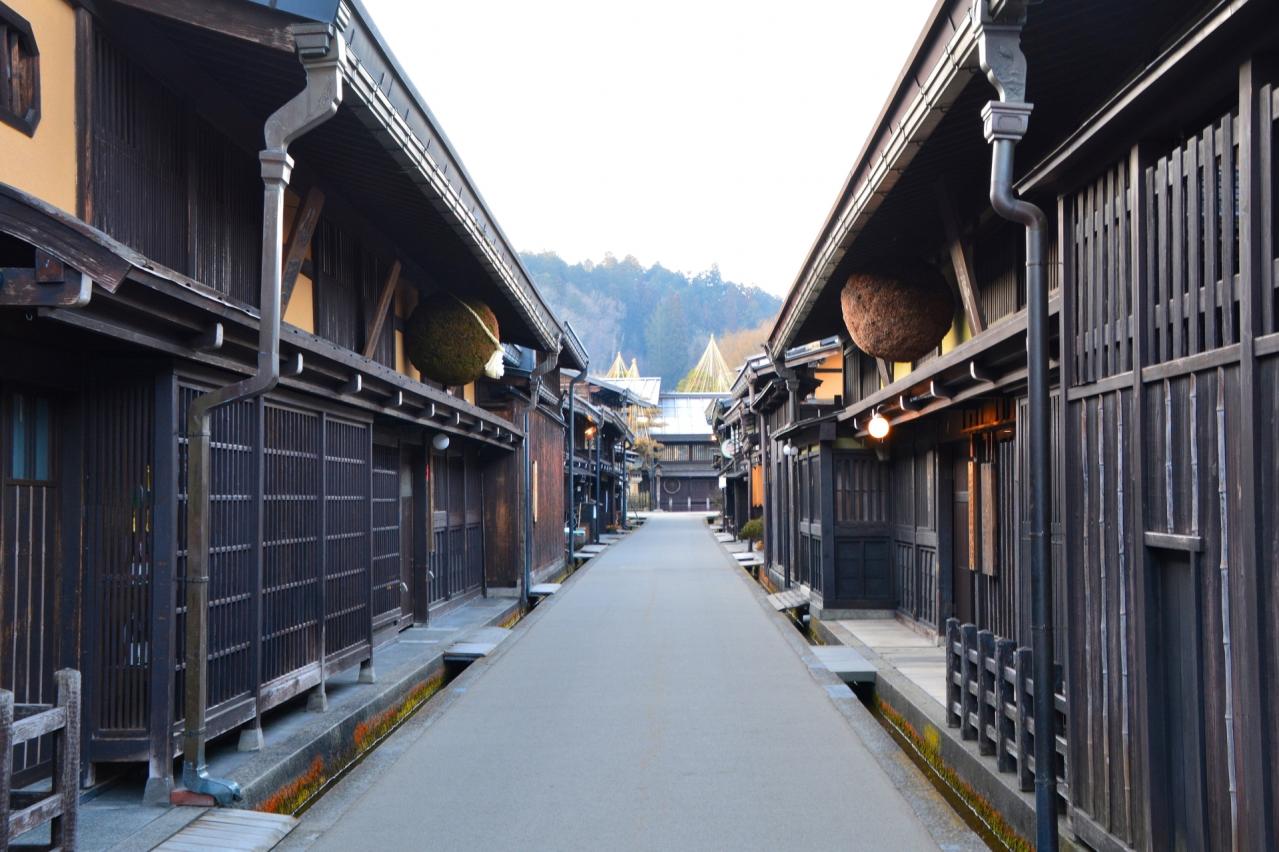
{"x": 322, "y": 54}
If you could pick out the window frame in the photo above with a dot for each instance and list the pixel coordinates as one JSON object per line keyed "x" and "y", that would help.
{"x": 27, "y": 123}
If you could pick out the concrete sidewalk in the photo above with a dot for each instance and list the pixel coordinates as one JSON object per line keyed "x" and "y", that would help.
{"x": 653, "y": 704}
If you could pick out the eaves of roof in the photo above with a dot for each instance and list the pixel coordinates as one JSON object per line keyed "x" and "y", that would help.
{"x": 942, "y": 62}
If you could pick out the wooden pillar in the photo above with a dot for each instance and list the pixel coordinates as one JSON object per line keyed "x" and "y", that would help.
{"x": 1246, "y": 599}
{"x": 826, "y": 511}
{"x": 163, "y": 590}
{"x": 1150, "y": 811}
{"x": 251, "y": 735}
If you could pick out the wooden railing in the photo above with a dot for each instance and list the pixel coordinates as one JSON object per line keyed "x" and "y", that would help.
{"x": 990, "y": 698}
{"x": 21, "y": 723}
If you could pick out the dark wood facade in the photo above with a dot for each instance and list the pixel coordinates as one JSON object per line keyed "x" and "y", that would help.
{"x": 335, "y": 518}
{"x": 1163, "y": 271}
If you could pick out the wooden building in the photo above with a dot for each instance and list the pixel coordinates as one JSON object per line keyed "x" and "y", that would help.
{"x": 597, "y": 458}
{"x": 352, "y": 499}
{"x": 1151, "y": 148}
{"x": 686, "y": 477}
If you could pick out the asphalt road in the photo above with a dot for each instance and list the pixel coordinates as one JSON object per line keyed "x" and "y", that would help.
{"x": 654, "y": 705}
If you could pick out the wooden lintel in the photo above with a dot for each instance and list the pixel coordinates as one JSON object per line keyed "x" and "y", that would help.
{"x": 299, "y": 242}
{"x": 978, "y": 374}
{"x": 962, "y": 261}
{"x": 1172, "y": 541}
{"x": 397, "y": 399}
{"x": 905, "y": 403}
{"x": 355, "y": 384}
{"x": 937, "y": 390}
{"x": 885, "y": 374}
{"x": 383, "y": 308}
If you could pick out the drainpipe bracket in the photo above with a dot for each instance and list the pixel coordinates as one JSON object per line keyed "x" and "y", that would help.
{"x": 1008, "y": 121}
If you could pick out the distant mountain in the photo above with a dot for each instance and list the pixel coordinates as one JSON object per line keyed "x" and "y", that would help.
{"x": 661, "y": 317}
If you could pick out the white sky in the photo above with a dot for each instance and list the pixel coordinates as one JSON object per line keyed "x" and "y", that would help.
{"x": 689, "y": 133}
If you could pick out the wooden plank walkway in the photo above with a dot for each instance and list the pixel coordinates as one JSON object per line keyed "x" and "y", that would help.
{"x": 789, "y": 599}
{"x": 846, "y": 663}
{"x": 232, "y": 830}
{"x": 476, "y": 645}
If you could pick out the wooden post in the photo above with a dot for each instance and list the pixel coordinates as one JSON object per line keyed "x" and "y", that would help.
{"x": 6, "y": 762}
{"x": 1005, "y": 729}
{"x": 299, "y": 243}
{"x": 986, "y": 693}
{"x": 66, "y": 760}
{"x": 383, "y": 308}
{"x": 1025, "y": 740}
{"x": 968, "y": 682}
{"x": 962, "y": 261}
{"x": 953, "y": 695}
{"x": 163, "y": 590}
{"x": 1247, "y": 598}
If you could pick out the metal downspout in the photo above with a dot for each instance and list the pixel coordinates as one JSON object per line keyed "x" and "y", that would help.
{"x": 322, "y": 53}
{"x": 572, "y": 456}
{"x": 1005, "y": 122}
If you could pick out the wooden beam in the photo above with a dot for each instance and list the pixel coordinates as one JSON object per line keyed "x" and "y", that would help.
{"x": 243, "y": 21}
{"x": 299, "y": 242}
{"x": 961, "y": 259}
{"x": 885, "y": 374}
{"x": 383, "y": 308}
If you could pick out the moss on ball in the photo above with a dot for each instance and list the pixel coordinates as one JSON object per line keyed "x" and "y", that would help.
{"x": 897, "y": 317}
{"x": 443, "y": 340}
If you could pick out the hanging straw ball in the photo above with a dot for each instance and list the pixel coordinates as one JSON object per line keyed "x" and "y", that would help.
{"x": 899, "y": 316}
{"x": 445, "y": 341}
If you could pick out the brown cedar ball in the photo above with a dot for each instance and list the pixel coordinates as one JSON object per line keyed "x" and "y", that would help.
{"x": 444, "y": 341}
{"x": 898, "y": 317}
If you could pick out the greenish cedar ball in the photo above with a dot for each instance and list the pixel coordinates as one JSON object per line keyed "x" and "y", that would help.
{"x": 443, "y": 340}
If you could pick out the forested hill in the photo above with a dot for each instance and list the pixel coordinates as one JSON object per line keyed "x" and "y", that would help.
{"x": 654, "y": 314}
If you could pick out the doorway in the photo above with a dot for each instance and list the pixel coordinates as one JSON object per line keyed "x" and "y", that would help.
{"x": 1179, "y": 694}
{"x": 30, "y": 539}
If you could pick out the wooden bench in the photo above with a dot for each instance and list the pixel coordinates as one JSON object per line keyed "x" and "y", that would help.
{"x": 20, "y": 723}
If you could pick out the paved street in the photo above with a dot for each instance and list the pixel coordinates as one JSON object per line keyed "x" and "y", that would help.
{"x": 655, "y": 704}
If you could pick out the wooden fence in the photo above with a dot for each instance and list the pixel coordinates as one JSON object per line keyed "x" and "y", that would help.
{"x": 990, "y": 698}
{"x": 22, "y": 723}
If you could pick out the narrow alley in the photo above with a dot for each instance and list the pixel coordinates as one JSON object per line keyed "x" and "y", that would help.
{"x": 654, "y": 703}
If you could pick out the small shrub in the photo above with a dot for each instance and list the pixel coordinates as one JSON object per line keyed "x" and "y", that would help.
{"x": 753, "y": 530}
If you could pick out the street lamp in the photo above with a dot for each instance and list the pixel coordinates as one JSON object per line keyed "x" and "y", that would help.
{"x": 878, "y": 426}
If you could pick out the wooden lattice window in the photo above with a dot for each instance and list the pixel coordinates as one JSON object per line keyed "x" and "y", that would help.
{"x": 19, "y": 73}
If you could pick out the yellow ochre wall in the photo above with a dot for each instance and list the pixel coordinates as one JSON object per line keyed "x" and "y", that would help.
{"x": 300, "y": 311}
{"x": 832, "y": 383}
{"x": 45, "y": 165}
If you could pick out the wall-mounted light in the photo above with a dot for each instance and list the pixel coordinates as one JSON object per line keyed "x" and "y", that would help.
{"x": 590, "y": 432}
{"x": 440, "y": 441}
{"x": 878, "y": 426}
{"x": 790, "y": 449}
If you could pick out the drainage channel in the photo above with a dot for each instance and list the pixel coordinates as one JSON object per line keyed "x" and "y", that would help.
{"x": 976, "y": 813}
{"x": 299, "y": 795}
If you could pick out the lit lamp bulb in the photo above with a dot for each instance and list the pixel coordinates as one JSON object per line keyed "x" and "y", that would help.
{"x": 878, "y": 426}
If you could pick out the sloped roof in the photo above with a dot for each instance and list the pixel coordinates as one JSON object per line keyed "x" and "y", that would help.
{"x": 710, "y": 374}
{"x": 684, "y": 414}
{"x": 647, "y": 389}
